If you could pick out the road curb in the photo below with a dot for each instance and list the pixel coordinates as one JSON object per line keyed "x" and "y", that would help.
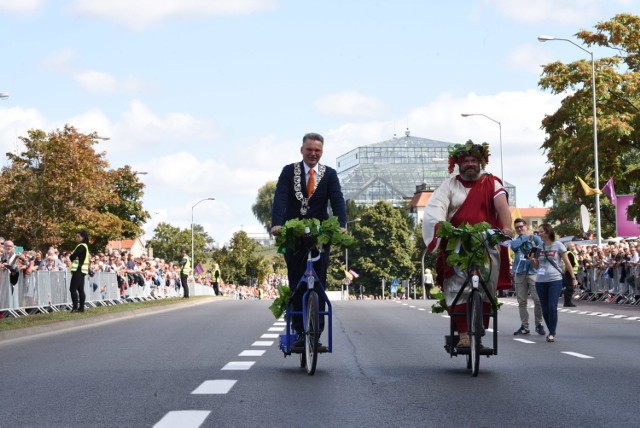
{"x": 96, "y": 320}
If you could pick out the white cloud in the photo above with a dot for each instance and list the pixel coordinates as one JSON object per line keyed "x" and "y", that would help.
{"x": 21, "y": 6}
{"x": 529, "y": 58}
{"x": 60, "y": 61}
{"x": 519, "y": 113}
{"x": 350, "y": 104}
{"x": 96, "y": 82}
{"x": 14, "y": 123}
{"x": 141, "y": 14}
{"x": 558, "y": 11}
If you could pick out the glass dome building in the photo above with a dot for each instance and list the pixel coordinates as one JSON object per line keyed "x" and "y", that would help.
{"x": 396, "y": 169}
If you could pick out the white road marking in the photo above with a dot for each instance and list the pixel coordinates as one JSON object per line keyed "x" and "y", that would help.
{"x": 605, "y": 315}
{"x": 594, "y": 313}
{"x": 421, "y": 309}
{"x": 276, "y": 329}
{"x": 238, "y": 365}
{"x": 617, "y": 317}
{"x": 280, "y": 323}
{"x": 633, "y": 318}
{"x": 269, "y": 336}
{"x": 575, "y": 354}
{"x": 262, "y": 343}
{"x": 251, "y": 353}
{"x": 524, "y": 340}
{"x": 412, "y": 307}
{"x": 219, "y": 386}
{"x": 183, "y": 419}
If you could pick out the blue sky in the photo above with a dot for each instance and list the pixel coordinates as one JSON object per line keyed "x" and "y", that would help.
{"x": 212, "y": 97}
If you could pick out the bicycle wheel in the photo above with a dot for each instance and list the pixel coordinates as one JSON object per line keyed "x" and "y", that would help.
{"x": 312, "y": 333}
{"x": 475, "y": 330}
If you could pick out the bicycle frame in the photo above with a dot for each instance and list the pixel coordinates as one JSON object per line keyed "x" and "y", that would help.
{"x": 468, "y": 282}
{"x": 311, "y": 281}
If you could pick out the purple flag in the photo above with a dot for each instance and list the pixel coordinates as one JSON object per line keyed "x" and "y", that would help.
{"x": 610, "y": 191}
{"x": 199, "y": 269}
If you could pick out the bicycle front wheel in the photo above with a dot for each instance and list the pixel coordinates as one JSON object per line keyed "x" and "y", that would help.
{"x": 475, "y": 330}
{"x": 312, "y": 333}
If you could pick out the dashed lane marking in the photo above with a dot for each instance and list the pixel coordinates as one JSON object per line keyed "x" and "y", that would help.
{"x": 269, "y": 336}
{"x": 238, "y": 365}
{"x": 524, "y": 340}
{"x": 262, "y": 343}
{"x": 251, "y": 353}
{"x": 219, "y": 386}
{"x": 276, "y": 329}
{"x": 575, "y": 354}
{"x": 280, "y": 323}
{"x": 183, "y": 419}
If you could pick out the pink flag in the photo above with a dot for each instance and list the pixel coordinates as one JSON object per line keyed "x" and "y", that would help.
{"x": 610, "y": 191}
{"x": 353, "y": 272}
{"x": 199, "y": 269}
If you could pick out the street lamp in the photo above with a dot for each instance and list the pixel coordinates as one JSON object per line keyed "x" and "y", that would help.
{"x": 3, "y": 95}
{"x": 595, "y": 127}
{"x": 194, "y": 205}
{"x": 500, "y": 129}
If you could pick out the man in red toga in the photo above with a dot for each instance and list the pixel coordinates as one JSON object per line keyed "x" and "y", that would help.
{"x": 472, "y": 196}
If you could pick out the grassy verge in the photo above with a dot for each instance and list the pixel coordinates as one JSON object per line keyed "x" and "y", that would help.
{"x": 34, "y": 320}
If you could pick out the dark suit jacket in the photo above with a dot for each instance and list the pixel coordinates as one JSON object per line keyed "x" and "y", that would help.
{"x": 286, "y": 206}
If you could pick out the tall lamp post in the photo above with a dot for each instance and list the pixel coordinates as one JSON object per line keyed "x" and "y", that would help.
{"x": 500, "y": 129}
{"x": 346, "y": 250}
{"x": 194, "y": 205}
{"x": 595, "y": 127}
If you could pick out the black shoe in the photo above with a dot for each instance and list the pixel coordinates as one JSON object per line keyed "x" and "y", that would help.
{"x": 521, "y": 330}
{"x": 73, "y": 310}
{"x": 299, "y": 343}
{"x": 569, "y": 305}
{"x": 540, "y": 330}
{"x": 80, "y": 310}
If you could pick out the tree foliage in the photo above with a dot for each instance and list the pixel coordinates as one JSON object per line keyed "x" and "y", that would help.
{"x": 59, "y": 184}
{"x": 264, "y": 203}
{"x": 569, "y": 144}
{"x": 384, "y": 246}
{"x": 168, "y": 241}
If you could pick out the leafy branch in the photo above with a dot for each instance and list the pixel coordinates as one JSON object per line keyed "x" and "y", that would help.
{"x": 327, "y": 232}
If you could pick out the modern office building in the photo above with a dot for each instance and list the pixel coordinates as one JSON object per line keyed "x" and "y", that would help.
{"x": 397, "y": 169}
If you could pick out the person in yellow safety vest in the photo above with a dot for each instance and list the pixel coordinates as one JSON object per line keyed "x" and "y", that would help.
{"x": 185, "y": 271}
{"x": 567, "y": 278}
{"x": 79, "y": 269}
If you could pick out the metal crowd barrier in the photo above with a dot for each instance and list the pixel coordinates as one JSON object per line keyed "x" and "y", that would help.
{"x": 614, "y": 286}
{"x": 45, "y": 291}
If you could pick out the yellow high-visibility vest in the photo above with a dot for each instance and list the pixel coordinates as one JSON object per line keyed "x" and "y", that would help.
{"x": 85, "y": 265}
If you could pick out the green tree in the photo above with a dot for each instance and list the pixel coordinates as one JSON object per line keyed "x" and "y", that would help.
{"x": 264, "y": 202}
{"x": 165, "y": 242}
{"x": 126, "y": 203}
{"x": 569, "y": 141}
{"x": 239, "y": 260}
{"x": 384, "y": 246}
{"x": 168, "y": 241}
{"x": 57, "y": 185}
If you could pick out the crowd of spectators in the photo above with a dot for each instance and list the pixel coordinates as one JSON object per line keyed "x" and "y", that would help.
{"x": 609, "y": 272}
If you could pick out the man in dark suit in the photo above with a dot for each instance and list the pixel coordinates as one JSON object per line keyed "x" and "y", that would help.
{"x": 305, "y": 190}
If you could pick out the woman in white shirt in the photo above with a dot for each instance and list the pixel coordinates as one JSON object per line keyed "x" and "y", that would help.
{"x": 550, "y": 262}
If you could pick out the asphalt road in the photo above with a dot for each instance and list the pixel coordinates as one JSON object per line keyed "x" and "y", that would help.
{"x": 214, "y": 364}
